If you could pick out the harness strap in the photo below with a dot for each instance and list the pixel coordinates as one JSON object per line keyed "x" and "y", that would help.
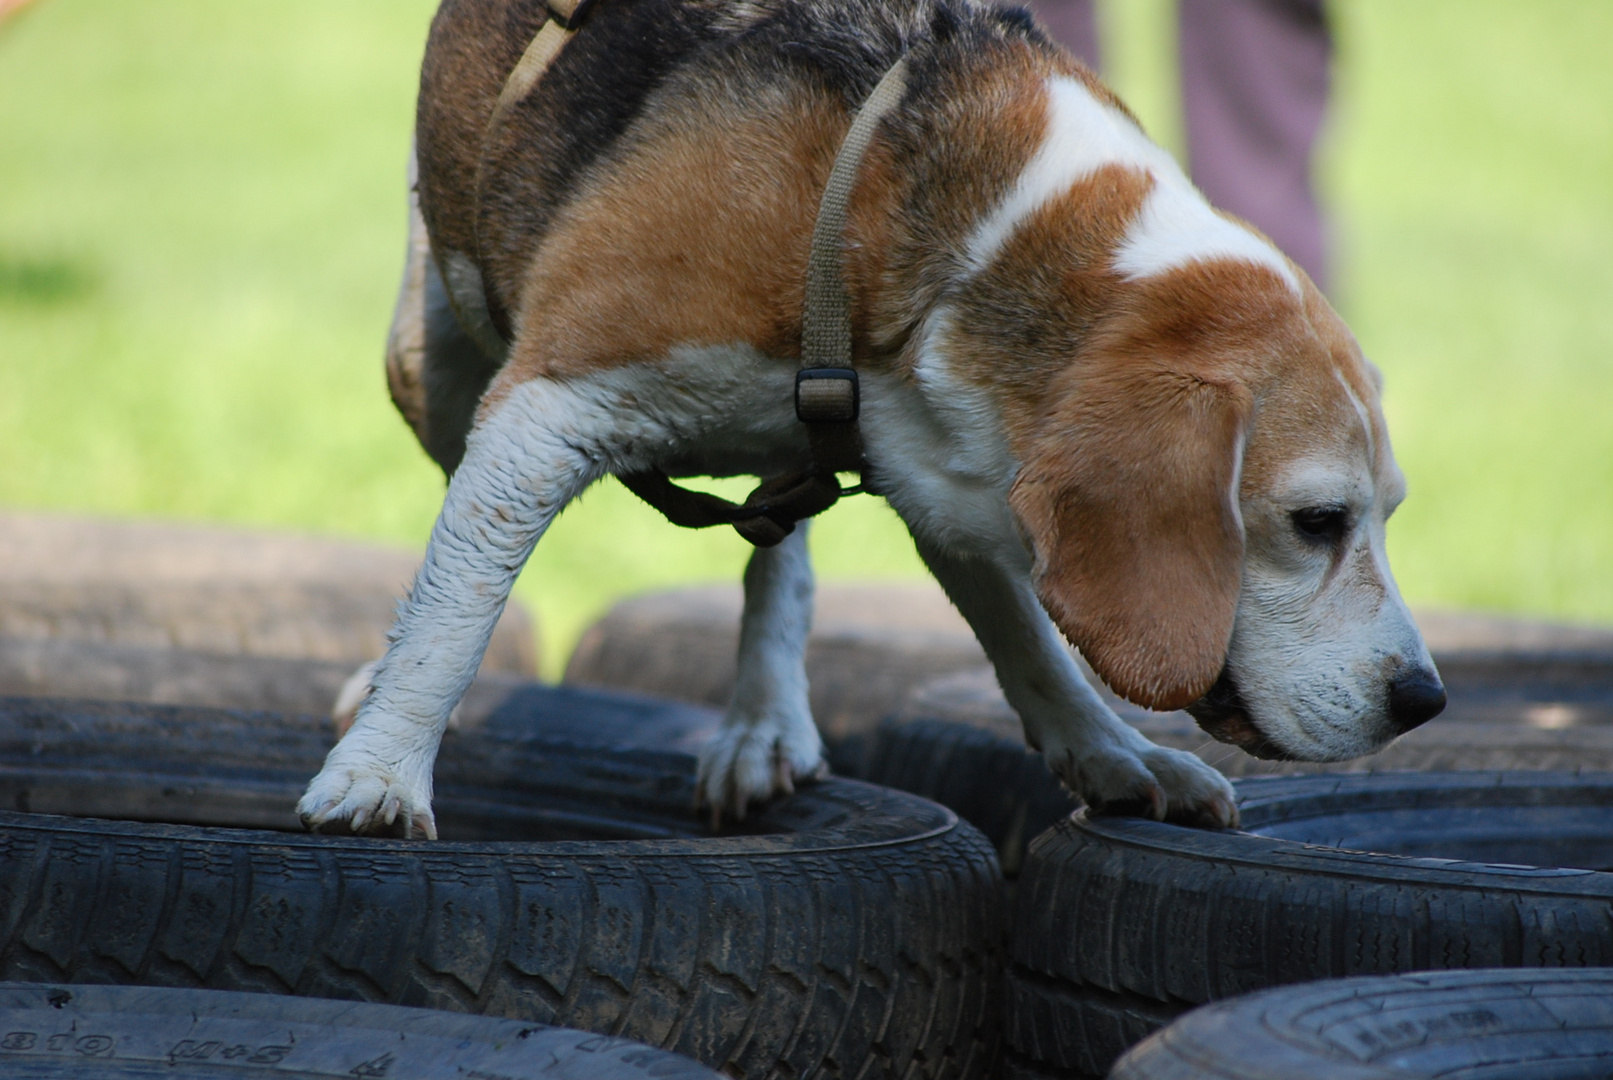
{"x": 764, "y": 519}
{"x": 826, "y": 389}
{"x": 565, "y": 16}
{"x": 461, "y": 274}
{"x": 827, "y": 395}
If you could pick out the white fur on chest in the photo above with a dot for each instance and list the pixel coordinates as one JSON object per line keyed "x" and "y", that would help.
{"x": 705, "y": 410}
{"x": 936, "y": 441}
{"x": 940, "y": 453}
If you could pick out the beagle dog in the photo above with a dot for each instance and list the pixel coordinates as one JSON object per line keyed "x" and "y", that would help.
{"x": 1108, "y": 413}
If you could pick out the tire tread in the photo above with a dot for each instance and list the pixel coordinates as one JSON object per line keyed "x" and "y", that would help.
{"x": 1158, "y": 917}
{"x": 665, "y": 947}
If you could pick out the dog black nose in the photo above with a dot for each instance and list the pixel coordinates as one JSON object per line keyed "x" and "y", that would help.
{"x": 1415, "y": 698}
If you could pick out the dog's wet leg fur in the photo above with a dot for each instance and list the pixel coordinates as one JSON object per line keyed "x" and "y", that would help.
{"x": 537, "y": 444}
{"x": 533, "y": 452}
{"x": 1096, "y": 754}
{"x": 767, "y": 742}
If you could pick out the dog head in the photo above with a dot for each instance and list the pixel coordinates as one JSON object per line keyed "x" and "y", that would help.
{"x": 1205, "y": 498}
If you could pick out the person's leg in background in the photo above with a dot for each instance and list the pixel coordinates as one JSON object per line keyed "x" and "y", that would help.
{"x": 1073, "y": 24}
{"x": 1255, "y": 77}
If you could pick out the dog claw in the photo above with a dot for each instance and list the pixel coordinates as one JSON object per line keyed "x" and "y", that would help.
{"x": 1164, "y": 785}
{"x": 345, "y": 799}
{"x": 313, "y": 818}
{"x": 749, "y": 762}
{"x": 783, "y": 775}
{"x": 703, "y": 800}
{"x": 421, "y": 826}
{"x": 1157, "y": 804}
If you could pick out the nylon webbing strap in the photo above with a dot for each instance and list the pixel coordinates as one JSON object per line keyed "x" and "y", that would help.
{"x": 826, "y": 326}
{"x": 565, "y": 16}
{"x": 764, "y": 519}
{"x": 827, "y": 393}
{"x": 539, "y": 54}
{"x": 826, "y": 387}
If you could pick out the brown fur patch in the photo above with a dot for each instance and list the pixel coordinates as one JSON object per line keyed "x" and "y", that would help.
{"x": 957, "y": 152}
{"x": 701, "y": 241}
{"x": 703, "y": 237}
{"x": 1028, "y": 316}
{"x": 1305, "y": 410}
{"x": 472, "y": 47}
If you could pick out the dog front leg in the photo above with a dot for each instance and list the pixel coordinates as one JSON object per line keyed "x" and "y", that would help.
{"x": 522, "y": 465}
{"x": 1098, "y": 756}
{"x": 767, "y": 740}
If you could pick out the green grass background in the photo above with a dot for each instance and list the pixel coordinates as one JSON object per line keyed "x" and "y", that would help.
{"x": 201, "y": 229}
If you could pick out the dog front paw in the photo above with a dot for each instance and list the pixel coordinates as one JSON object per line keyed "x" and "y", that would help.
{"x": 357, "y": 793}
{"x": 1147, "y": 781}
{"x": 753, "y": 762}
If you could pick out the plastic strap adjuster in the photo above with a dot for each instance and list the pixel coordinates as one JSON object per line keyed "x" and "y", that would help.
{"x": 827, "y": 396}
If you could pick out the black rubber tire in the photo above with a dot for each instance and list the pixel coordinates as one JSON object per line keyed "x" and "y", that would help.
{"x": 994, "y": 783}
{"x": 308, "y": 688}
{"x": 117, "y": 1033}
{"x": 1453, "y": 1025}
{"x": 1122, "y": 923}
{"x": 1013, "y": 1068}
{"x": 35, "y": 667}
{"x": 848, "y": 927}
{"x": 870, "y": 646}
{"x": 585, "y": 717}
{"x": 1051, "y": 1024}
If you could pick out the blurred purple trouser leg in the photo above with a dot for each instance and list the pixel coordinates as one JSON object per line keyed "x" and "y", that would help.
{"x": 1255, "y": 80}
{"x": 1074, "y": 25}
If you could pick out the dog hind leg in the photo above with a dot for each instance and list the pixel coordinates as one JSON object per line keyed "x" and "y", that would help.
{"x": 767, "y": 741}
{"x": 1098, "y": 756}
{"x": 535, "y": 452}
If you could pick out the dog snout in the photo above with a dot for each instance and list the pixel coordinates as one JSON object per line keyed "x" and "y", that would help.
{"x": 1415, "y": 697}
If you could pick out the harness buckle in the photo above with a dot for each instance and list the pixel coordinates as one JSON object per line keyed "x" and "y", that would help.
{"x": 827, "y": 396}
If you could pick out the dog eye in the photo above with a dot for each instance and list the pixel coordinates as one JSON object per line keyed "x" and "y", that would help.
{"x": 1328, "y": 523}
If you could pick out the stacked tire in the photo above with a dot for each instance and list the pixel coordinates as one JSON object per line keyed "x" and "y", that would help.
{"x": 122, "y": 1033}
{"x": 1121, "y": 925}
{"x": 1469, "y": 1025}
{"x": 849, "y": 930}
{"x": 957, "y": 741}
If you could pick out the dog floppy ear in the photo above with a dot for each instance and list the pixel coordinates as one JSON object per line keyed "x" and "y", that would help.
{"x": 1129, "y": 498}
